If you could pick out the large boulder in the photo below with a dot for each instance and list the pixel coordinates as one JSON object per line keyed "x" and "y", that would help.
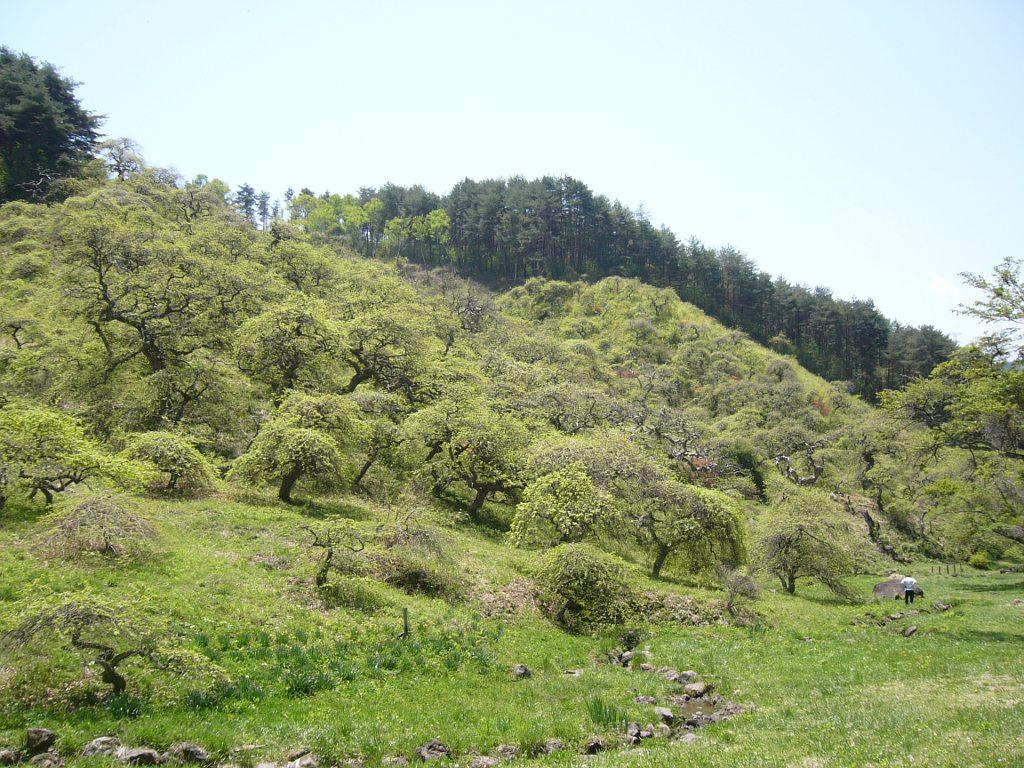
{"x": 892, "y": 590}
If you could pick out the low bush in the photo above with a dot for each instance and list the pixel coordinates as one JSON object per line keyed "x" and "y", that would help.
{"x": 581, "y": 587}
{"x": 980, "y": 560}
{"x": 105, "y": 526}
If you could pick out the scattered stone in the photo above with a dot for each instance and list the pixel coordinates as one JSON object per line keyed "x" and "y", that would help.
{"x": 266, "y": 765}
{"x": 506, "y": 751}
{"x": 395, "y": 760}
{"x": 307, "y": 760}
{"x": 188, "y": 752}
{"x": 48, "y": 759}
{"x": 670, "y": 674}
{"x": 295, "y": 754}
{"x": 552, "y": 745}
{"x": 138, "y": 756}
{"x": 647, "y": 732}
{"x": 433, "y": 750}
{"x": 521, "y": 672}
{"x": 696, "y": 690}
{"x": 482, "y": 761}
{"x": 941, "y": 607}
{"x": 573, "y": 672}
{"x": 911, "y": 630}
{"x": 8, "y": 757}
{"x": 625, "y": 657}
{"x": 104, "y": 745}
{"x": 645, "y": 700}
{"x": 647, "y": 667}
{"x": 593, "y": 745}
{"x": 686, "y": 677}
{"x": 353, "y": 762}
{"x": 632, "y": 734}
{"x": 687, "y": 738}
{"x": 39, "y": 740}
{"x": 662, "y": 730}
{"x": 666, "y": 715}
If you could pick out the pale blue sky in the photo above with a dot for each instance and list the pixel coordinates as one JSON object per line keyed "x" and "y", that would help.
{"x": 873, "y": 147}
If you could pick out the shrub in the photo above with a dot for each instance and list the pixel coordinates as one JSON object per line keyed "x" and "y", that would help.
{"x": 980, "y": 560}
{"x": 417, "y": 573}
{"x": 181, "y": 467}
{"x": 582, "y": 586}
{"x": 102, "y": 525}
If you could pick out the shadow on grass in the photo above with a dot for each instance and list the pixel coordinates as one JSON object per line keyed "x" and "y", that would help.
{"x": 985, "y": 636}
{"x": 1001, "y": 586}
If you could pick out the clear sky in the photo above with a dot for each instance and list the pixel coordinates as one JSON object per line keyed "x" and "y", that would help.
{"x": 876, "y": 148}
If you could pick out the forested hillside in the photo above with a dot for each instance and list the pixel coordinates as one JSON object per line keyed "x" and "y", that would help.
{"x": 503, "y": 232}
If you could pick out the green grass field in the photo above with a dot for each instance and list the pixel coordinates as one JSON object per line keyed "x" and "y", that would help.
{"x": 232, "y": 581}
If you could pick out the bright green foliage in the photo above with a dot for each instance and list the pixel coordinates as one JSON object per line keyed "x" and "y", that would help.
{"x": 284, "y": 454}
{"x": 980, "y": 560}
{"x": 794, "y": 543}
{"x": 583, "y": 587}
{"x": 47, "y": 452}
{"x": 560, "y": 507}
{"x": 290, "y": 346}
{"x": 471, "y": 444}
{"x": 675, "y": 519}
{"x": 181, "y": 467}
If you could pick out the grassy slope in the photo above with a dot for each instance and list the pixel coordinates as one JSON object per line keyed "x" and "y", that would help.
{"x": 850, "y": 695}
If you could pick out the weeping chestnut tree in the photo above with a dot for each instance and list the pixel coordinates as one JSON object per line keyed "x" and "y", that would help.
{"x": 92, "y": 630}
{"x": 700, "y": 524}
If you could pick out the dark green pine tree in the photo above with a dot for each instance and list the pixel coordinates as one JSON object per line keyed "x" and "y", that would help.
{"x": 245, "y": 202}
{"x": 45, "y": 133}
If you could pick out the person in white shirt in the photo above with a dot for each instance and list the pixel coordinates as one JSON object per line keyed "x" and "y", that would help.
{"x": 909, "y": 589}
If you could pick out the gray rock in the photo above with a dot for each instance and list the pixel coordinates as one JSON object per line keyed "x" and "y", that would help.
{"x": 647, "y": 732}
{"x": 666, "y": 715}
{"x": 625, "y": 657}
{"x": 670, "y": 674}
{"x": 552, "y": 745}
{"x": 647, "y": 667}
{"x": 353, "y": 762}
{"x": 48, "y": 759}
{"x": 482, "y": 761}
{"x": 306, "y": 761}
{"x": 506, "y": 751}
{"x": 593, "y": 745}
{"x": 393, "y": 761}
{"x": 39, "y": 740}
{"x": 911, "y": 630}
{"x": 8, "y": 757}
{"x": 295, "y": 754}
{"x": 687, "y": 738}
{"x": 696, "y": 690}
{"x": 521, "y": 672}
{"x": 686, "y": 677}
{"x": 645, "y": 700}
{"x": 138, "y": 756}
{"x": 433, "y": 750}
{"x": 188, "y": 752}
{"x": 633, "y": 733}
{"x": 662, "y": 730}
{"x": 266, "y": 765}
{"x": 104, "y": 745}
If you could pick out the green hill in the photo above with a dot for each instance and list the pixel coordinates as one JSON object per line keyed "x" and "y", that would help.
{"x": 232, "y": 456}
